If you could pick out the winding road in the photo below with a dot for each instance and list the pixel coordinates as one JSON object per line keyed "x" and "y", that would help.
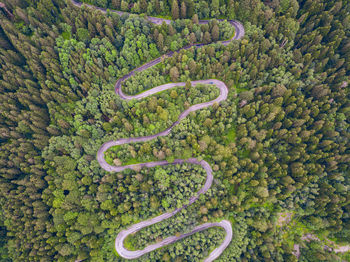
{"x": 226, "y": 225}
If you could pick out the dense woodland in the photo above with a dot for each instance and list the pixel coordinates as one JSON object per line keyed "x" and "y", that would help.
{"x": 279, "y": 143}
{"x": 173, "y": 9}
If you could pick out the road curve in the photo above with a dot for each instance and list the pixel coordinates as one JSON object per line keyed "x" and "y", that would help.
{"x": 226, "y": 225}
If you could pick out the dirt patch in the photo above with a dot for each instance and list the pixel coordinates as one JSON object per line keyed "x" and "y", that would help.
{"x": 284, "y": 218}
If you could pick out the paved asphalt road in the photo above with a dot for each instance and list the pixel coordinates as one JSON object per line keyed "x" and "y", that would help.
{"x": 226, "y": 225}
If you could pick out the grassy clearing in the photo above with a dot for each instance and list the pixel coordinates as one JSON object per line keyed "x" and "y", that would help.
{"x": 134, "y": 161}
{"x": 267, "y": 205}
{"x": 240, "y": 90}
{"x": 168, "y": 17}
{"x": 231, "y": 136}
{"x": 244, "y": 153}
{"x": 129, "y": 243}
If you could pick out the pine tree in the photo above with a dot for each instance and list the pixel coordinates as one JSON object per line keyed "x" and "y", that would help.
{"x": 207, "y": 37}
{"x": 124, "y": 6}
{"x": 215, "y": 33}
{"x": 174, "y": 74}
{"x": 157, "y": 7}
{"x": 183, "y": 10}
{"x": 192, "y": 38}
{"x": 175, "y": 10}
{"x": 160, "y": 41}
{"x": 195, "y": 19}
{"x": 190, "y": 8}
{"x": 172, "y": 30}
{"x": 116, "y": 4}
{"x": 143, "y": 6}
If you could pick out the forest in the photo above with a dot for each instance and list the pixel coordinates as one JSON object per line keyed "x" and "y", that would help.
{"x": 278, "y": 144}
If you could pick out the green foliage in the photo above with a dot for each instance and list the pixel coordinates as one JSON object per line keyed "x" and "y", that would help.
{"x": 281, "y": 143}
{"x": 83, "y": 34}
{"x": 314, "y": 251}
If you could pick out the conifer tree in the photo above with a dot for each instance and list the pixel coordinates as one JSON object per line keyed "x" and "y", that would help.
{"x": 183, "y": 10}
{"x": 143, "y": 6}
{"x": 175, "y": 10}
